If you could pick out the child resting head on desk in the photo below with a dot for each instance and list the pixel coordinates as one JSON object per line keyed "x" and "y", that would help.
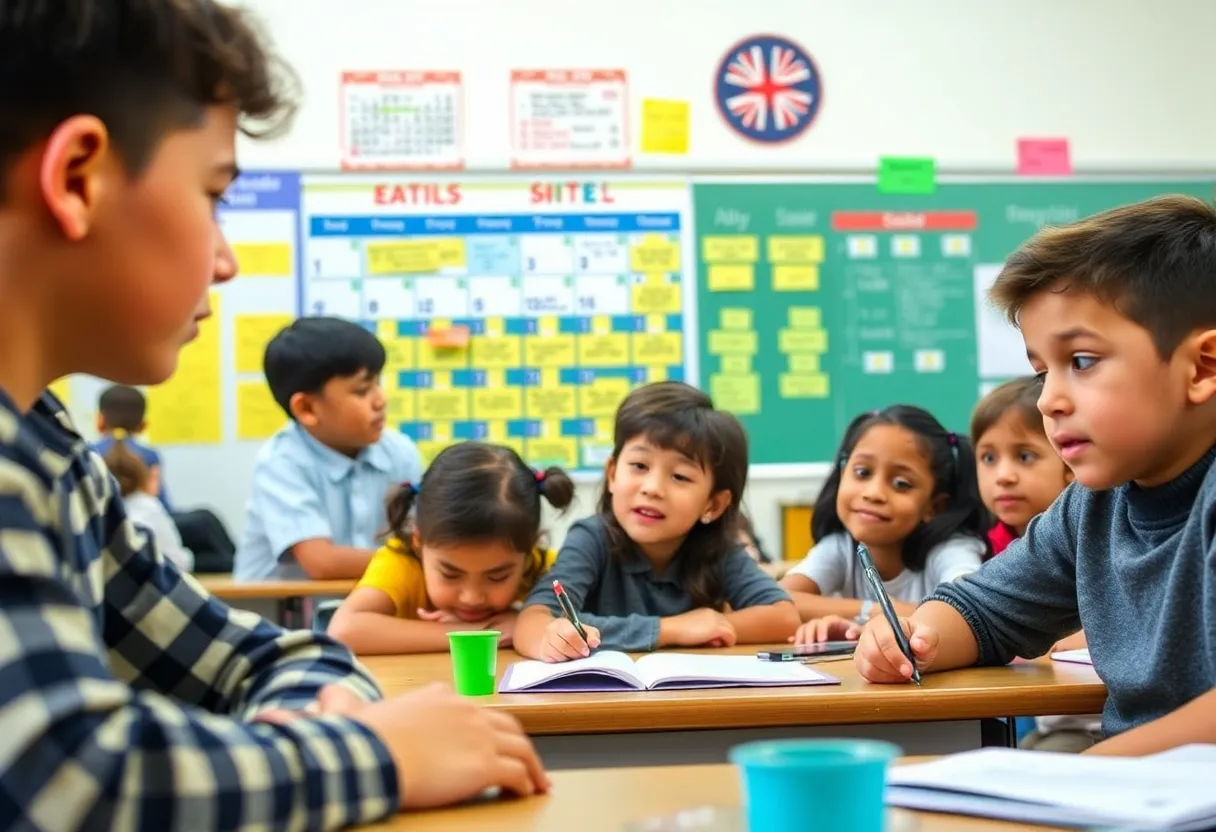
{"x": 464, "y": 549}
{"x": 905, "y": 487}
{"x": 661, "y": 564}
{"x": 1118, "y": 312}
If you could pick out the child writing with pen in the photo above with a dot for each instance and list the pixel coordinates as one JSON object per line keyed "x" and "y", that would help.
{"x": 463, "y": 552}
{"x": 905, "y": 487}
{"x": 660, "y": 563}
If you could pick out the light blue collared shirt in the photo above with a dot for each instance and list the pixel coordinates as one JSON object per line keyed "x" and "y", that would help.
{"x": 304, "y": 490}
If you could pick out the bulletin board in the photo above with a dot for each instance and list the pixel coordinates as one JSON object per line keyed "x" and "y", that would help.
{"x": 822, "y": 297}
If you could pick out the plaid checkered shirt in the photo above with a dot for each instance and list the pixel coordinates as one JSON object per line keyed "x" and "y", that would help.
{"x": 127, "y": 691}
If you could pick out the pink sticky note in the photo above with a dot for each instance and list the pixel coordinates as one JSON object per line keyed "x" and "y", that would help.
{"x": 1044, "y": 157}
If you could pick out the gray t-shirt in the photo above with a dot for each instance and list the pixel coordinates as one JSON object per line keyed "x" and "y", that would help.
{"x": 832, "y": 565}
{"x": 624, "y": 599}
{"x": 1136, "y": 567}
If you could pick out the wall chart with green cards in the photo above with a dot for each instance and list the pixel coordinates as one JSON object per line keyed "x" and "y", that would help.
{"x": 821, "y": 297}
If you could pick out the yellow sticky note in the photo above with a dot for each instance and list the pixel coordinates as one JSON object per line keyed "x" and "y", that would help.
{"x": 263, "y": 259}
{"x": 399, "y": 354}
{"x": 443, "y": 405}
{"x": 655, "y": 254}
{"x": 736, "y": 365}
{"x": 258, "y": 415}
{"x": 547, "y": 325}
{"x": 735, "y": 319}
{"x": 730, "y": 248}
{"x": 658, "y": 348}
{"x": 601, "y": 325}
{"x": 62, "y": 390}
{"x": 402, "y": 257}
{"x": 802, "y": 340}
{"x": 802, "y": 386}
{"x": 494, "y": 327}
{"x": 602, "y": 397}
{"x": 501, "y": 352}
{"x": 431, "y": 357}
{"x": 556, "y": 402}
{"x": 803, "y": 362}
{"x": 604, "y": 350}
{"x": 795, "y": 278}
{"x": 549, "y": 351}
{"x": 783, "y": 248}
{"x": 400, "y": 406}
{"x": 654, "y": 374}
{"x": 557, "y": 450}
{"x": 732, "y": 278}
{"x": 496, "y": 431}
{"x": 805, "y": 317}
{"x": 664, "y": 126}
{"x": 656, "y": 323}
{"x": 253, "y": 332}
{"x": 449, "y": 253}
{"x": 656, "y": 298}
{"x": 724, "y": 342}
{"x": 736, "y": 394}
{"x": 498, "y": 403}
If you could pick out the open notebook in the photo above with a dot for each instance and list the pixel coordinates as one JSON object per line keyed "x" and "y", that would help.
{"x": 1167, "y": 791}
{"x": 609, "y": 670}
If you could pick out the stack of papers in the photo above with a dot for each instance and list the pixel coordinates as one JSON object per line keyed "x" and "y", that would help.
{"x": 1170, "y": 791}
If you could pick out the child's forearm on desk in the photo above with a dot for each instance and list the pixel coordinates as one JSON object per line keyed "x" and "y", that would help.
{"x": 1194, "y": 722}
{"x": 371, "y": 634}
{"x": 764, "y": 624}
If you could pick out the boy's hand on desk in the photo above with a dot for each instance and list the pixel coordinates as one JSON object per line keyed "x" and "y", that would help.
{"x": 562, "y": 642}
{"x": 447, "y": 750}
{"x": 504, "y": 622}
{"x": 697, "y": 628}
{"x": 878, "y": 657}
{"x": 827, "y": 628}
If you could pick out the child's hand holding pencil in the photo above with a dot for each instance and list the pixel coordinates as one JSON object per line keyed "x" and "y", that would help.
{"x": 566, "y": 637}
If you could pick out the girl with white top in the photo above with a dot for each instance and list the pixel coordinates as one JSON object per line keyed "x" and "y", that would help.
{"x": 140, "y": 487}
{"x": 905, "y": 487}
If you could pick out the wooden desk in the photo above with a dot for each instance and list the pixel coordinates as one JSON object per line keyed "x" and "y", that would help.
{"x": 227, "y": 587}
{"x": 289, "y": 597}
{"x": 608, "y": 799}
{"x": 591, "y": 730}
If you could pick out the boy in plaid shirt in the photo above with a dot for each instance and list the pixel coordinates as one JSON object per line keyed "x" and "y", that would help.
{"x": 129, "y": 697}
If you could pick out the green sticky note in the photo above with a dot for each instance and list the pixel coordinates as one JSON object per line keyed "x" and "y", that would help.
{"x": 906, "y": 175}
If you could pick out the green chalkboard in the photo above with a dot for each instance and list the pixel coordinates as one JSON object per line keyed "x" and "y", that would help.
{"x": 821, "y": 298}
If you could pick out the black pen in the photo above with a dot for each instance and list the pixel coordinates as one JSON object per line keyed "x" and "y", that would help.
{"x": 884, "y": 600}
{"x": 563, "y": 601}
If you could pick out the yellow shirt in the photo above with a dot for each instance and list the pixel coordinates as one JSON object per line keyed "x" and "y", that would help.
{"x": 399, "y": 576}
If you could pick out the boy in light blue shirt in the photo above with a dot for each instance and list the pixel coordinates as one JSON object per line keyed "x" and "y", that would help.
{"x": 320, "y": 484}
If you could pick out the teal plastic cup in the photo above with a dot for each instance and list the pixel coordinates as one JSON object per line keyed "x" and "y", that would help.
{"x": 800, "y": 785}
{"x": 474, "y": 661}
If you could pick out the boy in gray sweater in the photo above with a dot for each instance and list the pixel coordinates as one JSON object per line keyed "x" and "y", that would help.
{"x": 1118, "y": 312}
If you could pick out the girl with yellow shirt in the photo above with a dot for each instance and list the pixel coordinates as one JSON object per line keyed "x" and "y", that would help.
{"x": 464, "y": 549}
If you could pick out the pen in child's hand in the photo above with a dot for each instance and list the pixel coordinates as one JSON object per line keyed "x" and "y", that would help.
{"x": 888, "y": 610}
{"x": 563, "y": 601}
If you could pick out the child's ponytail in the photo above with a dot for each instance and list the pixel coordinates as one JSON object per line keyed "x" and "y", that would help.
{"x": 555, "y": 485}
{"x": 400, "y": 503}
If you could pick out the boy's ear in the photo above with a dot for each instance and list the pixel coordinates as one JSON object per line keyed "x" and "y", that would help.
{"x": 72, "y": 174}
{"x": 142, "y": 427}
{"x": 717, "y": 506}
{"x": 101, "y": 423}
{"x": 303, "y": 409}
{"x": 1202, "y": 383}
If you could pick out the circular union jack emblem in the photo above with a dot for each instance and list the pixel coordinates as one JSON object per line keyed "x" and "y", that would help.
{"x": 768, "y": 89}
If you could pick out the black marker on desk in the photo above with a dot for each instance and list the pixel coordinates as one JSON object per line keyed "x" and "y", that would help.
{"x": 884, "y": 600}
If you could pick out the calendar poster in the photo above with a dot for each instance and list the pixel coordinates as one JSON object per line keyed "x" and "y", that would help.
{"x": 513, "y": 311}
{"x": 401, "y": 120}
{"x": 569, "y": 118}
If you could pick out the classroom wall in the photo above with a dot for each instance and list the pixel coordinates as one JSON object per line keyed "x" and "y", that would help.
{"x": 1125, "y": 81}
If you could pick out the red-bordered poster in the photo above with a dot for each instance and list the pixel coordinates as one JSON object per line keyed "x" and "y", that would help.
{"x": 401, "y": 119}
{"x": 569, "y": 118}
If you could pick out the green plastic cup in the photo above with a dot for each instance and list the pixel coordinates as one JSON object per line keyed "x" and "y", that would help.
{"x": 474, "y": 661}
